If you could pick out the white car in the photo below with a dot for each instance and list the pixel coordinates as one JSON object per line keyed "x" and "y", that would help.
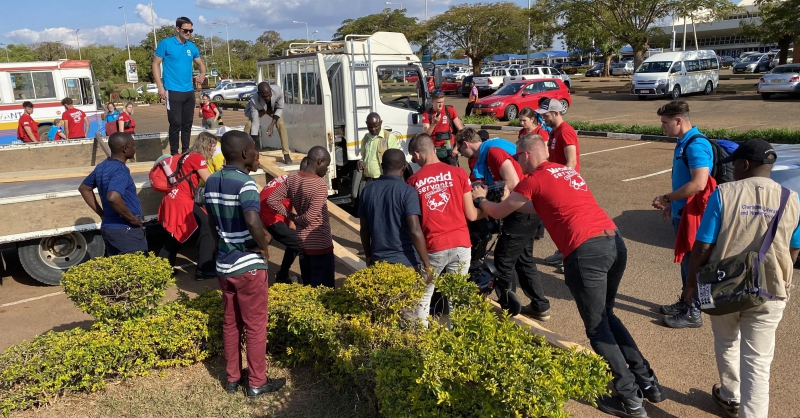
{"x": 622, "y": 68}
{"x": 230, "y": 91}
{"x": 150, "y": 88}
{"x": 460, "y": 74}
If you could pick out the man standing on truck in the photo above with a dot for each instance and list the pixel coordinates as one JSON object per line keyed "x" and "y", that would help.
{"x": 177, "y": 55}
{"x": 441, "y": 122}
{"x": 76, "y": 125}
{"x": 373, "y": 145}
{"x": 28, "y": 129}
{"x": 121, "y": 211}
{"x": 267, "y": 101}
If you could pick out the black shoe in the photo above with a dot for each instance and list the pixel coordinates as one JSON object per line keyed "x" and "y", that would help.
{"x": 622, "y": 407}
{"x": 533, "y": 313}
{"x": 652, "y": 392}
{"x": 690, "y": 318}
{"x": 233, "y": 387}
{"x": 675, "y": 308}
{"x": 287, "y": 159}
{"x": 272, "y": 385}
{"x": 200, "y": 276}
{"x": 509, "y": 301}
{"x": 731, "y": 408}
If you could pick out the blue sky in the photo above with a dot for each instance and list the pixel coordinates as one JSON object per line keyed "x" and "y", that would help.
{"x": 100, "y": 21}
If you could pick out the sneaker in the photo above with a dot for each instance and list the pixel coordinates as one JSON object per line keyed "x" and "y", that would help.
{"x": 538, "y": 315}
{"x": 554, "y": 259}
{"x": 731, "y": 408}
{"x": 622, "y": 407}
{"x": 690, "y": 318}
{"x": 200, "y": 276}
{"x": 272, "y": 385}
{"x": 652, "y": 392}
{"x": 675, "y": 308}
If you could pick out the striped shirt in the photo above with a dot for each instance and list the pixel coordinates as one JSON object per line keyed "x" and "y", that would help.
{"x": 308, "y": 194}
{"x": 230, "y": 193}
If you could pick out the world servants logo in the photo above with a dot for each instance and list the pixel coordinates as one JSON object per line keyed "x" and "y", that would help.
{"x": 435, "y": 190}
{"x": 573, "y": 177}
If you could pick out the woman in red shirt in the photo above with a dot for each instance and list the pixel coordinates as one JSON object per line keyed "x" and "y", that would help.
{"x": 208, "y": 112}
{"x": 527, "y": 118}
{"x": 125, "y": 123}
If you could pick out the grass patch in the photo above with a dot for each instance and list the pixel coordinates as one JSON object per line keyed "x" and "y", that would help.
{"x": 479, "y": 120}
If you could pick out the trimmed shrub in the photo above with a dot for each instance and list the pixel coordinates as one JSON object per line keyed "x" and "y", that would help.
{"x": 129, "y": 93}
{"x": 106, "y": 89}
{"x": 119, "y": 287}
{"x": 774, "y": 135}
{"x": 209, "y": 303}
{"x": 479, "y": 120}
{"x": 148, "y": 97}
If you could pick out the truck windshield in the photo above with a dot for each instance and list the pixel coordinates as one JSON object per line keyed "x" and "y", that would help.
{"x": 654, "y": 67}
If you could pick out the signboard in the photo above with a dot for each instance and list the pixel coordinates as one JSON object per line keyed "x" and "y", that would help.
{"x": 130, "y": 71}
{"x": 214, "y": 73}
{"x": 426, "y": 53}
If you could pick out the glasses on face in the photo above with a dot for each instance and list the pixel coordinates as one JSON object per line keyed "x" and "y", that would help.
{"x": 519, "y": 154}
{"x": 187, "y": 30}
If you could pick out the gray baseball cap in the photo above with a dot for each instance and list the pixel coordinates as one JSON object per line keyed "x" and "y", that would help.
{"x": 551, "y": 105}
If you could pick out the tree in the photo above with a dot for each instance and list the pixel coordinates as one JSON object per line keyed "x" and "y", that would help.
{"x": 162, "y": 33}
{"x": 582, "y": 32}
{"x": 632, "y": 21}
{"x": 481, "y": 29}
{"x": 19, "y": 53}
{"x": 780, "y": 24}
{"x": 389, "y": 20}
{"x": 277, "y": 50}
{"x": 269, "y": 39}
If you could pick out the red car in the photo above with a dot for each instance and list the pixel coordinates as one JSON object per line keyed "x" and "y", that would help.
{"x": 450, "y": 86}
{"x": 506, "y": 103}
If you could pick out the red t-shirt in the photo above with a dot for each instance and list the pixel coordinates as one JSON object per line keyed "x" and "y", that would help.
{"x": 175, "y": 212}
{"x": 567, "y": 207}
{"x": 538, "y": 130}
{"x": 441, "y": 189}
{"x": 494, "y": 159}
{"x": 74, "y": 119}
{"x": 208, "y": 110}
{"x": 561, "y": 137}
{"x": 125, "y": 117}
{"x": 448, "y": 114}
{"x": 27, "y": 120}
{"x": 268, "y": 216}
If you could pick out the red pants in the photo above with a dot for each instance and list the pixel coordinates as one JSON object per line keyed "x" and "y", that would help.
{"x": 244, "y": 299}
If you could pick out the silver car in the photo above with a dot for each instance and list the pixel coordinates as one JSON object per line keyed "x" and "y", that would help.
{"x": 230, "y": 91}
{"x": 782, "y": 79}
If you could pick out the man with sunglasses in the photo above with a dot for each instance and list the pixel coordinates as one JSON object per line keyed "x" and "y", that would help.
{"x": 441, "y": 122}
{"x": 595, "y": 258}
{"x": 491, "y": 162}
{"x": 177, "y": 55}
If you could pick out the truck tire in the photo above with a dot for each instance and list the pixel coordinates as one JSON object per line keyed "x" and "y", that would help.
{"x": 43, "y": 131}
{"x": 45, "y": 259}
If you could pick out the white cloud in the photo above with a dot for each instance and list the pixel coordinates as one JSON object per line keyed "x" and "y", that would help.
{"x": 144, "y": 13}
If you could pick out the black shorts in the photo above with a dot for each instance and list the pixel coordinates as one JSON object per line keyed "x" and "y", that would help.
{"x": 124, "y": 240}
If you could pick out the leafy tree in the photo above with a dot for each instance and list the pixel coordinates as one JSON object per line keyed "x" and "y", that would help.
{"x": 481, "y": 29}
{"x": 269, "y": 39}
{"x": 582, "y": 32}
{"x": 100, "y": 57}
{"x": 389, "y": 20}
{"x": 19, "y": 53}
{"x": 49, "y": 51}
{"x": 162, "y": 33}
{"x": 277, "y": 50}
{"x": 780, "y": 24}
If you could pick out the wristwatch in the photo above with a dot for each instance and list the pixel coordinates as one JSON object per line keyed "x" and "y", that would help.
{"x": 666, "y": 199}
{"x": 477, "y": 201}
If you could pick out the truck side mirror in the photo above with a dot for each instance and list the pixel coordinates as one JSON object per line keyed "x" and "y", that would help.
{"x": 415, "y": 118}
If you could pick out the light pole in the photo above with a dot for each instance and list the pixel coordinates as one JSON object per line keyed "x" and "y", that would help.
{"x": 153, "y": 23}
{"x": 312, "y": 35}
{"x": 64, "y": 46}
{"x": 398, "y": 4}
{"x": 528, "y": 43}
{"x": 228, "y": 43}
{"x": 305, "y": 23}
{"x": 80, "y": 57}
{"x": 127, "y": 41}
{"x": 6, "y": 48}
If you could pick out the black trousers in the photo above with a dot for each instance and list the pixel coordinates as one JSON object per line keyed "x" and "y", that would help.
{"x": 592, "y": 273}
{"x": 318, "y": 269}
{"x": 282, "y": 233}
{"x": 513, "y": 258}
{"x": 205, "y": 258}
{"x": 449, "y": 160}
{"x": 124, "y": 240}
{"x": 468, "y": 110}
{"x": 180, "y": 114}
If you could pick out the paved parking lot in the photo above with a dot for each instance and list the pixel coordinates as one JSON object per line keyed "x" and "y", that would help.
{"x": 624, "y": 176}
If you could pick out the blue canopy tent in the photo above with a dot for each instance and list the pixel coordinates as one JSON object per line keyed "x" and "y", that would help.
{"x": 446, "y": 61}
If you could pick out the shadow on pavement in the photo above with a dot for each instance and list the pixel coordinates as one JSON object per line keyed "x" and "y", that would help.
{"x": 695, "y": 398}
{"x": 85, "y": 324}
{"x": 656, "y": 232}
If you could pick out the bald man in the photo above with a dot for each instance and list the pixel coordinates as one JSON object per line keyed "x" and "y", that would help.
{"x": 267, "y": 101}
{"x": 374, "y": 144}
{"x": 121, "y": 210}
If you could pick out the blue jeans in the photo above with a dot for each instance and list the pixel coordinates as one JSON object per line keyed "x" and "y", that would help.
{"x": 676, "y": 222}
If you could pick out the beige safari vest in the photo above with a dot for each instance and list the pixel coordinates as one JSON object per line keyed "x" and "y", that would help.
{"x": 747, "y": 207}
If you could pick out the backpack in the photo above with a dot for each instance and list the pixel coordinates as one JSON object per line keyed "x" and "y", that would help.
{"x": 163, "y": 183}
{"x": 218, "y": 108}
{"x": 722, "y": 148}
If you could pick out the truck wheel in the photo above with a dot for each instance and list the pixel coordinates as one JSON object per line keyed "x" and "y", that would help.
{"x": 676, "y": 92}
{"x": 43, "y": 131}
{"x": 47, "y": 258}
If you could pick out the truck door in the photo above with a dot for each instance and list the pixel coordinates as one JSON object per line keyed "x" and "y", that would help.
{"x": 400, "y": 104}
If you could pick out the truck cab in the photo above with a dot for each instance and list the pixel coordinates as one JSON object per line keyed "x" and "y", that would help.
{"x": 329, "y": 89}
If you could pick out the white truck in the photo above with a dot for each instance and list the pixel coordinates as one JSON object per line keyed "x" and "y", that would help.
{"x": 495, "y": 79}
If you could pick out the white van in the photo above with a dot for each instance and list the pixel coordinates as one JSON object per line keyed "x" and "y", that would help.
{"x": 675, "y": 73}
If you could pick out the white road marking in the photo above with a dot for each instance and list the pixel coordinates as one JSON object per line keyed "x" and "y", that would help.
{"x": 613, "y": 149}
{"x": 19, "y": 302}
{"x": 612, "y": 117}
{"x": 649, "y": 175}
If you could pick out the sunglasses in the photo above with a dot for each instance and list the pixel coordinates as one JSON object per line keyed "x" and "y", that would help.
{"x": 186, "y": 30}
{"x": 519, "y": 154}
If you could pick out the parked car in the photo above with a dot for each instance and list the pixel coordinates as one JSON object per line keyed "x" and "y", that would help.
{"x": 150, "y": 88}
{"x": 752, "y": 63}
{"x": 596, "y": 71}
{"x": 672, "y": 74}
{"x": 462, "y": 73}
{"x": 788, "y": 58}
{"x": 466, "y": 84}
{"x": 622, "y": 68}
{"x": 782, "y": 79}
{"x": 247, "y": 94}
{"x": 563, "y": 76}
{"x": 450, "y": 86}
{"x": 510, "y": 99}
{"x": 230, "y": 91}
{"x": 626, "y": 59}
{"x": 494, "y": 80}
{"x": 560, "y": 65}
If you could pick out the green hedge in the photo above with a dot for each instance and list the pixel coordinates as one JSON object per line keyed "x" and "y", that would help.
{"x": 479, "y": 120}
{"x": 232, "y": 104}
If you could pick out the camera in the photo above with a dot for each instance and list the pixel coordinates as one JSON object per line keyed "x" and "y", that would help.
{"x": 494, "y": 192}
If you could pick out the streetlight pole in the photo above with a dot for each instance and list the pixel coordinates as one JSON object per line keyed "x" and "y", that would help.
{"x": 528, "y": 42}
{"x": 153, "y": 23}
{"x": 6, "y": 48}
{"x": 80, "y": 57}
{"x": 401, "y": 5}
{"x": 127, "y": 40}
{"x": 227, "y": 41}
{"x": 64, "y": 46}
{"x": 312, "y": 35}
{"x": 305, "y": 23}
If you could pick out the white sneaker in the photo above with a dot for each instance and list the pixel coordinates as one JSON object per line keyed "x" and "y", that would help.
{"x": 554, "y": 259}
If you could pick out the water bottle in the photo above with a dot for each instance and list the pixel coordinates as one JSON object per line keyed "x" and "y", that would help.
{"x": 168, "y": 171}
{"x": 448, "y": 146}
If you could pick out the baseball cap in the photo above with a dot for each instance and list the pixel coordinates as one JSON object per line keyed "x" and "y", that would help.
{"x": 551, "y": 105}
{"x": 756, "y": 150}
{"x": 221, "y": 131}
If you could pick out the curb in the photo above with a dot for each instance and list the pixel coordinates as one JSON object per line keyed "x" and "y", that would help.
{"x": 614, "y": 135}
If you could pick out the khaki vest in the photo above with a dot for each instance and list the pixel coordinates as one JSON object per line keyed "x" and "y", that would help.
{"x": 744, "y": 226}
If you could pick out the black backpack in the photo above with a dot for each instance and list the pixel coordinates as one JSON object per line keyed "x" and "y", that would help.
{"x": 218, "y": 108}
{"x": 722, "y": 172}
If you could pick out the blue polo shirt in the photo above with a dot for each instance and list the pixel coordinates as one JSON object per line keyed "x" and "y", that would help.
{"x": 385, "y": 204}
{"x": 114, "y": 176}
{"x": 700, "y": 155}
{"x": 177, "y": 65}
